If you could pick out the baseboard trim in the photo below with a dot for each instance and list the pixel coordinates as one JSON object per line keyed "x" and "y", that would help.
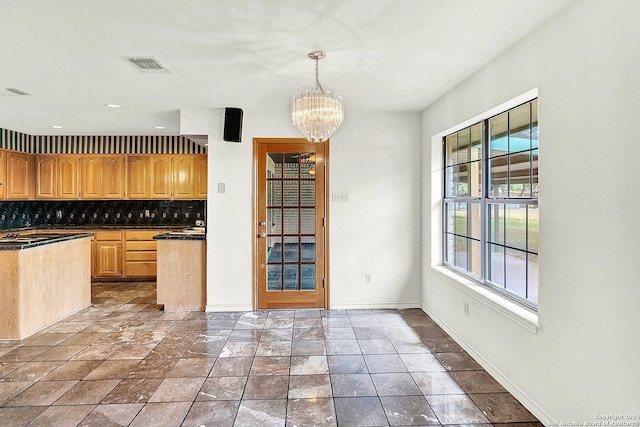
{"x": 496, "y": 373}
{"x": 378, "y": 306}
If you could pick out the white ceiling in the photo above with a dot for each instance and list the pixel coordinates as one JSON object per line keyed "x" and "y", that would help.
{"x": 382, "y": 55}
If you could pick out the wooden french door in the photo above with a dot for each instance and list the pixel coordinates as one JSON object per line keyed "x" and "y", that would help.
{"x": 289, "y": 262}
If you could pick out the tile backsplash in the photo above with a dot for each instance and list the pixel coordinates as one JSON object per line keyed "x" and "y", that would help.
{"x": 101, "y": 213}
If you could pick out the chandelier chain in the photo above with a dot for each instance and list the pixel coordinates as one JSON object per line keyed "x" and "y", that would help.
{"x": 318, "y": 85}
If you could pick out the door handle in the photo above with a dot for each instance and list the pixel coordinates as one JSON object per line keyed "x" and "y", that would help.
{"x": 263, "y": 235}
{"x": 262, "y": 223}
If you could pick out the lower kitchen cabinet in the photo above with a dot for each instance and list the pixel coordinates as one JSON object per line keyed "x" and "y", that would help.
{"x": 107, "y": 261}
{"x": 140, "y": 257}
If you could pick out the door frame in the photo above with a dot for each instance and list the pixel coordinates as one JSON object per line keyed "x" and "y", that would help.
{"x": 256, "y": 237}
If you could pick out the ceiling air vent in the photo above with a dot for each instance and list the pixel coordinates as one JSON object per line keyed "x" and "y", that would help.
{"x": 148, "y": 64}
{"x": 15, "y": 91}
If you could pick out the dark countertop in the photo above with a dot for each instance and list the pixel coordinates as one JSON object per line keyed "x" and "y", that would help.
{"x": 32, "y": 240}
{"x": 186, "y": 234}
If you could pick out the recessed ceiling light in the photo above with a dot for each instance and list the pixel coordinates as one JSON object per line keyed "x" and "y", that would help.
{"x": 159, "y": 127}
{"x": 113, "y": 105}
{"x": 56, "y": 127}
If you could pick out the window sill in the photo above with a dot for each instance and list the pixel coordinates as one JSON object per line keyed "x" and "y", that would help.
{"x": 509, "y": 309}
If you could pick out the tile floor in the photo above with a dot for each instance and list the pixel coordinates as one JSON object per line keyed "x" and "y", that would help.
{"x": 123, "y": 361}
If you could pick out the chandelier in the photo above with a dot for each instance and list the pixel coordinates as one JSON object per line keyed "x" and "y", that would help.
{"x": 315, "y": 112}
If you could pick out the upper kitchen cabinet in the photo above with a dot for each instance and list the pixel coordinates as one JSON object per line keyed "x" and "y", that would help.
{"x": 102, "y": 177}
{"x": 201, "y": 168}
{"x": 20, "y": 175}
{"x": 3, "y": 174}
{"x": 138, "y": 177}
{"x": 46, "y": 176}
{"x": 68, "y": 177}
{"x": 183, "y": 185}
{"x": 160, "y": 174}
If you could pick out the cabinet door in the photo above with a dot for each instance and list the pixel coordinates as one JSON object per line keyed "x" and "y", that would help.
{"x": 160, "y": 174}
{"x": 68, "y": 177}
{"x": 201, "y": 170}
{"x": 138, "y": 177}
{"x": 3, "y": 174}
{"x": 108, "y": 261}
{"x": 183, "y": 185}
{"x": 19, "y": 176}
{"x": 90, "y": 177}
{"x": 113, "y": 177}
{"x": 46, "y": 176}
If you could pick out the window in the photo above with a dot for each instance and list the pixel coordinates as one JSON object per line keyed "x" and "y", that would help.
{"x": 490, "y": 209}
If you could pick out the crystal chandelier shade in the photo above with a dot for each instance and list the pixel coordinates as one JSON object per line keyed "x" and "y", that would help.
{"x": 315, "y": 112}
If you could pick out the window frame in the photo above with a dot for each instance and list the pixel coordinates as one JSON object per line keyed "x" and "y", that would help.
{"x": 485, "y": 202}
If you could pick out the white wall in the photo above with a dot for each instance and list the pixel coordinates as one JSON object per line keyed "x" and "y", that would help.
{"x": 583, "y": 360}
{"x": 375, "y": 158}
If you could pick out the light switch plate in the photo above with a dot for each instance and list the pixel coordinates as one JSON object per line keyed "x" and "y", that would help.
{"x": 340, "y": 197}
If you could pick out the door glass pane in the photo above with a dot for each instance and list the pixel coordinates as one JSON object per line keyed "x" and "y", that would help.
{"x": 291, "y": 277}
{"x": 291, "y": 221}
{"x": 291, "y": 165}
{"x": 307, "y": 193}
{"x": 291, "y": 193}
{"x": 291, "y": 249}
{"x": 308, "y": 249}
{"x": 274, "y": 165}
{"x": 274, "y": 221}
{"x": 274, "y": 277}
{"x": 307, "y": 165}
{"x": 274, "y": 193}
{"x": 308, "y": 277}
{"x": 308, "y": 221}
{"x": 274, "y": 249}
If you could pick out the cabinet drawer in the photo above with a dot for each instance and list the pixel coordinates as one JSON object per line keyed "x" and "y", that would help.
{"x": 140, "y": 269}
{"x": 141, "y": 245}
{"x": 104, "y": 235}
{"x": 141, "y": 256}
{"x": 140, "y": 234}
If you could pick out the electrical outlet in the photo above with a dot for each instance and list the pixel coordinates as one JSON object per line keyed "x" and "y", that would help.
{"x": 466, "y": 308}
{"x": 221, "y": 187}
{"x": 367, "y": 278}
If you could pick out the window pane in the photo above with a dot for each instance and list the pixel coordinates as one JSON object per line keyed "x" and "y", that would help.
{"x": 519, "y": 128}
{"x": 516, "y": 226}
{"x": 307, "y": 276}
{"x": 475, "y": 259}
{"x": 449, "y": 248}
{"x": 534, "y": 176}
{"x": 532, "y": 277}
{"x": 291, "y": 277}
{"x": 532, "y": 225}
{"x": 451, "y": 181}
{"x": 475, "y": 174}
{"x": 290, "y": 249}
{"x": 291, "y": 221}
{"x": 461, "y": 219}
{"x": 308, "y": 249}
{"x": 307, "y": 193}
{"x": 534, "y": 124}
{"x": 291, "y": 193}
{"x": 498, "y": 170}
{"x": 451, "y": 149}
{"x": 520, "y": 175}
{"x": 463, "y": 180}
{"x": 274, "y": 165}
{"x": 274, "y": 221}
{"x": 495, "y": 226}
{"x": 464, "y": 145}
{"x": 461, "y": 252}
{"x": 495, "y": 264}
{"x": 498, "y": 140}
{"x": 516, "y": 280}
{"x": 476, "y": 142}
{"x": 274, "y": 193}
{"x": 474, "y": 223}
{"x": 274, "y": 249}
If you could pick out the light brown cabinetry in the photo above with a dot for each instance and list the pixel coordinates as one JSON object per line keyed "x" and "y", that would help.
{"x": 107, "y": 254}
{"x": 102, "y": 177}
{"x": 140, "y": 257}
{"x": 46, "y": 176}
{"x": 160, "y": 174}
{"x": 20, "y": 174}
{"x": 138, "y": 177}
{"x": 183, "y": 185}
{"x": 68, "y": 177}
{"x": 201, "y": 171}
{"x": 3, "y": 174}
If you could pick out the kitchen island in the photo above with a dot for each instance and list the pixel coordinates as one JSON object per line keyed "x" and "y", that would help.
{"x": 181, "y": 282}
{"x": 43, "y": 278}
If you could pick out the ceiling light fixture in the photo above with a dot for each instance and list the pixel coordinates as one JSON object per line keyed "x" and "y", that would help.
{"x": 159, "y": 127}
{"x": 113, "y": 105}
{"x": 56, "y": 127}
{"x": 317, "y": 113}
